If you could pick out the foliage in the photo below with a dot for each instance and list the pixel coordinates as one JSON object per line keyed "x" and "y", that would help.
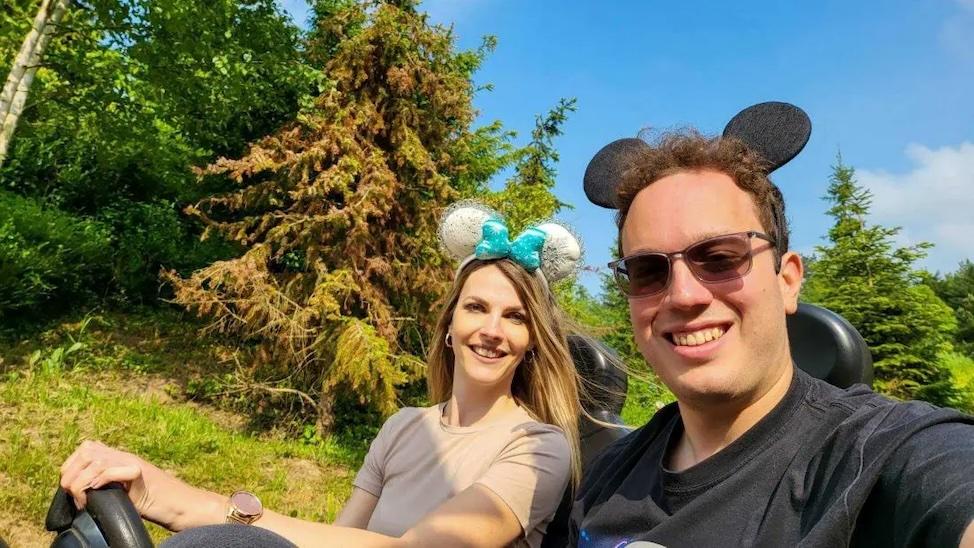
{"x": 957, "y": 290}
{"x": 130, "y": 97}
{"x": 962, "y": 370}
{"x": 40, "y": 250}
{"x": 155, "y": 236}
{"x": 485, "y": 153}
{"x": 63, "y": 356}
{"x": 861, "y": 276}
{"x": 527, "y": 196}
{"x": 338, "y": 212}
{"x": 15, "y": 20}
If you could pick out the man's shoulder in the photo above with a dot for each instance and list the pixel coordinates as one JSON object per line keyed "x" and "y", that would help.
{"x": 885, "y": 430}
{"x": 861, "y": 402}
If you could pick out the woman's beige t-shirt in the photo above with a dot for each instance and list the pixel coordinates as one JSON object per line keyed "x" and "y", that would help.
{"x": 417, "y": 463}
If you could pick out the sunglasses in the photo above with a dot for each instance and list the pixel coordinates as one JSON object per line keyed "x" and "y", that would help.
{"x": 714, "y": 260}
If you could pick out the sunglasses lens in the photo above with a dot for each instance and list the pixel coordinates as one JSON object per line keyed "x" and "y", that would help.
{"x": 720, "y": 259}
{"x": 644, "y": 274}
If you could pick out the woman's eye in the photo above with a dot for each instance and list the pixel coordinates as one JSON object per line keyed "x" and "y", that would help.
{"x": 474, "y": 307}
{"x": 518, "y": 318}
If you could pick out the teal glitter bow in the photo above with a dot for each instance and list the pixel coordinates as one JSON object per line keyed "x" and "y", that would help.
{"x": 525, "y": 250}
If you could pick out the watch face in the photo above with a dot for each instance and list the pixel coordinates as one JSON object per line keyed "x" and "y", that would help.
{"x": 246, "y": 503}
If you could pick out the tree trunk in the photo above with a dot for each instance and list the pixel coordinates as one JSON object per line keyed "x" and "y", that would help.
{"x": 21, "y": 76}
{"x": 326, "y": 414}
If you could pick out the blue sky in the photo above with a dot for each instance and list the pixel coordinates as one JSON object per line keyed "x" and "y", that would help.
{"x": 887, "y": 83}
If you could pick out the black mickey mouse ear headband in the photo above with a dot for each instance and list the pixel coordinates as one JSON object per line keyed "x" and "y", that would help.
{"x": 774, "y": 130}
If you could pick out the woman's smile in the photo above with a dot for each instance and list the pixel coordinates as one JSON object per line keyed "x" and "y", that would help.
{"x": 487, "y": 352}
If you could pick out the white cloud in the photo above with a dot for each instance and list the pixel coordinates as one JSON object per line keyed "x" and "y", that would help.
{"x": 933, "y": 202}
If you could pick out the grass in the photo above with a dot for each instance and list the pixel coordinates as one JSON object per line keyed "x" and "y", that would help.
{"x": 121, "y": 385}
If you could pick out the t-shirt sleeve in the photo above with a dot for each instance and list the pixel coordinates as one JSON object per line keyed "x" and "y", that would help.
{"x": 931, "y": 486}
{"x": 370, "y": 477}
{"x": 531, "y": 474}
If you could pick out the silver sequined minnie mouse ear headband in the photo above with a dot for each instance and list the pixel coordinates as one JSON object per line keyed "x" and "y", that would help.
{"x": 469, "y": 230}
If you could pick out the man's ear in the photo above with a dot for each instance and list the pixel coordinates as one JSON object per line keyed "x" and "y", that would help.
{"x": 790, "y": 280}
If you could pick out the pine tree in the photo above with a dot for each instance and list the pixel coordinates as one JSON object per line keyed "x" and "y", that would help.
{"x": 863, "y": 277}
{"x": 338, "y": 211}
{"x": 527, "y": 196}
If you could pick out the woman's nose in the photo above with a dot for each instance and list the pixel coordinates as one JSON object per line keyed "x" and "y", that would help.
{"x": 491, "y": 328}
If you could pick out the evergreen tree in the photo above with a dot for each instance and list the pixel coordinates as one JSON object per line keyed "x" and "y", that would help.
{"x": 863, "y": 277}
{"x": 527, "y": 196}
{"x": 338, "y": 211}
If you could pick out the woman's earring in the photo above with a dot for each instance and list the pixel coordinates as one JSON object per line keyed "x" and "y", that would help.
{"x": 449, "y": 340}
{"x": 529, "y": 356}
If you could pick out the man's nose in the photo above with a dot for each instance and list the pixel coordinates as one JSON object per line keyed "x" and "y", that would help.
{"x": 685, "y": 290}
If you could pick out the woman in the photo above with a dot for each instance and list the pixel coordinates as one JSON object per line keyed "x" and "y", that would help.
{"x": 487, "y": 466}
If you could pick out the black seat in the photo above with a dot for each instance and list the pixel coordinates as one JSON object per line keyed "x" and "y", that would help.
{"x": 826, "y": 346}
{"x": 604, "y": 387}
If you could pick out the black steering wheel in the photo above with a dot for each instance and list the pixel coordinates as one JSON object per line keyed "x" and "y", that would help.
{"x": 108, "y": 520}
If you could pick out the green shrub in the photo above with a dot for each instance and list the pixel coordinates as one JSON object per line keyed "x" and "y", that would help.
{"x": 962, "y": 372}
{"x": 48, "y": 258}
{"x": 150, "y": 236}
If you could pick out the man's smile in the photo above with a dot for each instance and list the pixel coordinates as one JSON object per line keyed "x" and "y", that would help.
{"x": 696, "y": 337}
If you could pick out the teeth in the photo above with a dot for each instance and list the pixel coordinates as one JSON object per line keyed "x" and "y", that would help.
{"x": 486, "y": 352}
{"x": 696, "y": 338}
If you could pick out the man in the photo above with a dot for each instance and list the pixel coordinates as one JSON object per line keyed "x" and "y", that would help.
{"x": 754, "y": 452}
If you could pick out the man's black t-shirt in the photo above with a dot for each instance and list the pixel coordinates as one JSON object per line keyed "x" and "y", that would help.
{"x": 827, "y": 467}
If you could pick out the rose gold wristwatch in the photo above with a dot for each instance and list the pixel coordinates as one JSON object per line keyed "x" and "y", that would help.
{"x": 244, "y": 507}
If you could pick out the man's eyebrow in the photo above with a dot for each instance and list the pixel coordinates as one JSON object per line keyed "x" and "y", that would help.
{"x": 697, "y": 237}
{"x": 701, "y": 236}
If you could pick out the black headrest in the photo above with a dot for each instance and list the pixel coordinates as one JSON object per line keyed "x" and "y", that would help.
{"x": 827, "y": 347}
{"x": 604, "y": 383}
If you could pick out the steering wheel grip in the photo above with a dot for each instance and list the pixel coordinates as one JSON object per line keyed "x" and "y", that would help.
{"x": 110, "y": 509}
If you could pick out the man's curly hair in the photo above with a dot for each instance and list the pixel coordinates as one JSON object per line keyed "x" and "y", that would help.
{"x": 689, "y": 150}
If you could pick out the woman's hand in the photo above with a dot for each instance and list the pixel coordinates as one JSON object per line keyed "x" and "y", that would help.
{"x": 158, "y": 496}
